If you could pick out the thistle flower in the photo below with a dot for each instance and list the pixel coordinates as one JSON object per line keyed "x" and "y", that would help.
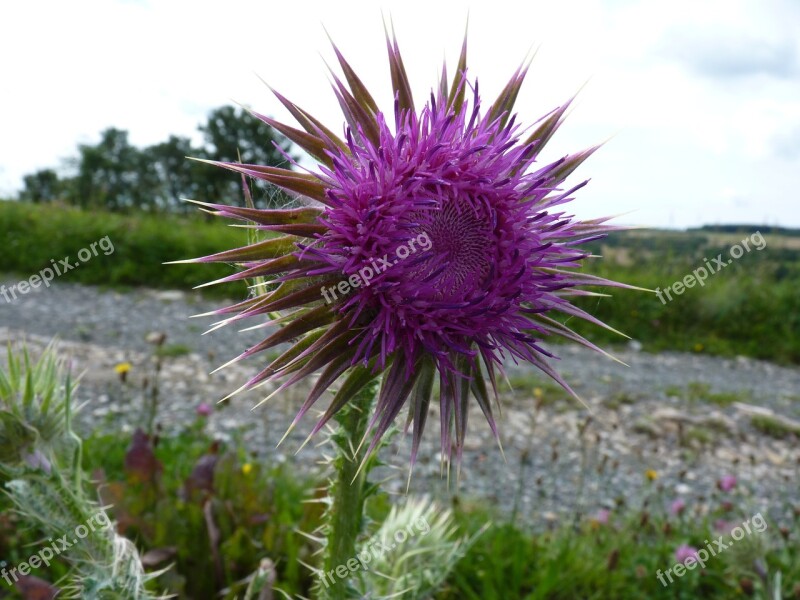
{"x": 677, "y": 507}
{"x": 727, "y": 483}
{"x": 684, "y": 552}
{"x": 601, "y": 517}
{"x": 430, "y": 243}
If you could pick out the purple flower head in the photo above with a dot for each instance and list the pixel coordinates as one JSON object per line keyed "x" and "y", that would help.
{"x": 678, "y": 506}
{"x": 684, "y": 552}
{"x": 203, "y": 409}
{"x": 727, "y": 483}
{"x": 723, "y": 526}
{"x": 431, "y": 243}
{"x": 602, "y": 516}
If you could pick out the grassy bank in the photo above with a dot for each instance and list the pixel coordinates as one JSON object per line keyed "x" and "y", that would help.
{"x": 750, "y": 307}
{"x": 33, "y": 235}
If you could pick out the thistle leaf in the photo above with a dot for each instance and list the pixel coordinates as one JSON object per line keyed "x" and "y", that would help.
{"x": 299, "y": 183}
{"x": 268, "y": 249}
{"x": 309, "y": 142}
{"x": 400, "y": 84}
{"x": 359, "y": 90}
{"x": 459, "y": 88}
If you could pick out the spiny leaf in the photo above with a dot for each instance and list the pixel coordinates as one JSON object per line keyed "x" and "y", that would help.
{"x": 421, "y": 402}
{"x": 331, "y": 373}
{"x": 572, "y": 162}
{"x": 269, "y": 267}
{"x": 502, "y": 107}
{"x": 286, "y": 358}
{"x": 297, "y": 326}
{"x": 359, "y": 377}
{"x": 459, "y": 88}
{"x": 309, "y": 123}
{"x": 305, "y": 295}
{"x": 481, "y": 393}
{"x": 400, "y": 84}
{"x": 542, "y": 134}
{"x": 267, "y": 249}
{"x": 300, "y": 183}
{"x": 359, "y": 118}
{"x": 264, "y": 216}
{"x": 309, "y": 142}
{"x": 360, "y": 91}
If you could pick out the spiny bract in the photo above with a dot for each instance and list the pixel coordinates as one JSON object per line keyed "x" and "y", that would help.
{"x": 429, "y": 245}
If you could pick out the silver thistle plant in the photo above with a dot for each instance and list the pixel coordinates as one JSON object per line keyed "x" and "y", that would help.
{"x": 416, "y": 567}
{"x": 40, "y": 465}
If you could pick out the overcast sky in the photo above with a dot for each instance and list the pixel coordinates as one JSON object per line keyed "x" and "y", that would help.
{"x": 700, "y": 99}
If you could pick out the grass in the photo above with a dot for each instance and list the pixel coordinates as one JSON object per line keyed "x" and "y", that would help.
{"x": 164, "y": 493}
{"x": 619, "y": 399}
{"x": 750, "y": 308}
{"x": 696, "y": 391}
{"x": 527, "y": 385}
{"x": 34, "y": 235}
{"x": 173, "y": 350}
{"x": 256, "y": 509}
{"x": 619, "y": 560}
{"x": 774, "y": 427}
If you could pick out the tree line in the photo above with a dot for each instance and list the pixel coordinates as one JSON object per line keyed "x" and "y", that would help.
{"x": 115, "y": 175}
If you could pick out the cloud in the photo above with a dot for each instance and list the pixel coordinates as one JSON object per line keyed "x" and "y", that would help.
{"x": 730, "y": 54}
{"x": 787, "y": 143}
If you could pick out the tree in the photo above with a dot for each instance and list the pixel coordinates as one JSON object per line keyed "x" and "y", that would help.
{"x": 41, "y": 186}
{"x": 114, "y": 175}
{"x": 232, "y": 135}
{"x": 177, "y": 176}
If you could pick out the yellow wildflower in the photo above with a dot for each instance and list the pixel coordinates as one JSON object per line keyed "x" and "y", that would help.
{"x": 122, "y": 369}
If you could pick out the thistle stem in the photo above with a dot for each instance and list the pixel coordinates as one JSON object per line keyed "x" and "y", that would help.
{"x": 348, "y": 492}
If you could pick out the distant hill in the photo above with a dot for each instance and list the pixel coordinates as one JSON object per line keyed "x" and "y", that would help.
{"x": 743, "y": 228}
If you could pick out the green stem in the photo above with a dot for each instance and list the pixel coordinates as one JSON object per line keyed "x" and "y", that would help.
{"x": 349, "y": 491}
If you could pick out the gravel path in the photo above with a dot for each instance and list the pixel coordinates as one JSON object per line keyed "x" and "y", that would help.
{"x": 687, "y": 417}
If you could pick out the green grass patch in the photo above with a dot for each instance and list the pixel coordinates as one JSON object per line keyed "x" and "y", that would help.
{"x": 774, "y": 427}
{"x": 173, "y": 350}
{"x": 749, "y": 308}
{"x": 617, "y": 560}
{"x": 164, "y": 493}
{"x": 697, "y": 391}
{"x": 34, "y": 235}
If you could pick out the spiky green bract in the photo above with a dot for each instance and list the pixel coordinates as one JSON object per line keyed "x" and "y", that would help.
{"x": 46, "y": 483}
{"x": 34, "y": 397}
{"x": 412, "y": 553}
{"x": 495, "y": 265}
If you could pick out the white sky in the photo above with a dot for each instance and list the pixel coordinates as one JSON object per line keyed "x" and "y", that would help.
{"x": 701, "y": 99}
